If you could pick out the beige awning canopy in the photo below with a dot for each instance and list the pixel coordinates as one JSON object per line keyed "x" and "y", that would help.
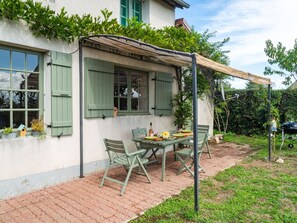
{"x": 138, "y": 49}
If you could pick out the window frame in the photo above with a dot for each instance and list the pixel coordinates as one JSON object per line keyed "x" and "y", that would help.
{"x": 11, "y": 89}
{"x": 129, "y": 110}
{"x": 129, "y": 7}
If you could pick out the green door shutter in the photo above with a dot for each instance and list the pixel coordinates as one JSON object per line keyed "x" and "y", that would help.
{"x": 99, "y": 84}
{"x": 163, "y": 94}
{"x": 61, "y": 92}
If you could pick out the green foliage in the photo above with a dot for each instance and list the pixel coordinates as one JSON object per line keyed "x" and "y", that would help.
{"x": 183, "y": 112}
{"x": 248, "y": 114}
{"x": 286, "y": 60}
{"x": 7, "y": 130}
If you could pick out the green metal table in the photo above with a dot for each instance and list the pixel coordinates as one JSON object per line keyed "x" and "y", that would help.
{"x": 162, "y": 144}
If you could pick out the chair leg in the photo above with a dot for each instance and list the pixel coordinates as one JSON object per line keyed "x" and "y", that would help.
{"x": 128, "y": 176}
{"x": 144, "y": 170}
{"x": 154, "y": 154}
{"x": 209, "y": 153}
{"x": 104, "y": 176}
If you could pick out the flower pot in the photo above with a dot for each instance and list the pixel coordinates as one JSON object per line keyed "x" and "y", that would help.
{"x": 8, "y": 136}
{"x": 36, "y": 133}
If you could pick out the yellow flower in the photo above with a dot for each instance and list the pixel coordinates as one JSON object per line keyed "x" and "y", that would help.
{"x": 165, "y": 135}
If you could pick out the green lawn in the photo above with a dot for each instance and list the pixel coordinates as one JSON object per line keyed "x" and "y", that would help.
{"x": 253, "y": 191}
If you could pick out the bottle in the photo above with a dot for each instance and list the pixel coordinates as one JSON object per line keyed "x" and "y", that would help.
{"x": 151, "y": 131}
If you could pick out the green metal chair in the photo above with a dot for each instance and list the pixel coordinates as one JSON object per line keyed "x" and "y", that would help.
{"x": 186, "y": 155}
{"x": 140, "y": 133}
{"x": 118, "y": 155}
{"x": 201, "y": 129}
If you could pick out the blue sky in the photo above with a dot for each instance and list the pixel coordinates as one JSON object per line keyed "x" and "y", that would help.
{"x": 248, "y": 23}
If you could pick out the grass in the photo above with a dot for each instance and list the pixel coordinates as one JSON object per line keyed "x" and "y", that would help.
{"x": 253, "y": 191}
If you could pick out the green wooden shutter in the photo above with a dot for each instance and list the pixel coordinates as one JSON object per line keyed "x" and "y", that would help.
{"x": 99, "y": 84}
{"x": 61, "y": 92}
{"x": 163, "y": 95}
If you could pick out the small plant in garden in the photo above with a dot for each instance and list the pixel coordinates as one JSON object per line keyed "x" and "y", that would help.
{"x": 7, "y": 130}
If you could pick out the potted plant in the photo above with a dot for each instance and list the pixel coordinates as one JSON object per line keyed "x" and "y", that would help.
{"x": 37, "y": 126}
{"x": 7, "y": 133}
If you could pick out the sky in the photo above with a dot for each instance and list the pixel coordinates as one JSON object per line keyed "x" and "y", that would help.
{"x": 248, "y": 23}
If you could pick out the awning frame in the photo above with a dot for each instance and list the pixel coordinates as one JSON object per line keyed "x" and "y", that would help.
{"x": 170, "y": 57}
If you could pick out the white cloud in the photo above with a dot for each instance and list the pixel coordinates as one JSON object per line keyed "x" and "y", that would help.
{"x": 250, "y": 23}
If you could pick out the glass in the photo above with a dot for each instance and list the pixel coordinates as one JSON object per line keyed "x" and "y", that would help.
{"x": 4, "y": 79}
{"x": 18, "y": 60}
{"x": 18, "y": 118}
{"x": 134, "y": 104}
{"x": 32, "y": 115}
{"x": 142, "y": 105}
{"x": 4, "y": 119}
{"x": 18, "y": 80}
{"x": 4, "y": 58}
{"x": 115, "y": 102}
{"x": 4, "y": 99}
{"x": 33, "y": 81}
{"x": 32, "y": 63}
{"x": 18, "y": 99}
{"x": 123, "y": 91}
{"x": 33, "y": 100}
{"x": 123, "y": 104}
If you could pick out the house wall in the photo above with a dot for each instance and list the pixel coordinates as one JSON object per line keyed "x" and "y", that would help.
{"x": 31, "y": 163}
{"x": 155, "y": 12}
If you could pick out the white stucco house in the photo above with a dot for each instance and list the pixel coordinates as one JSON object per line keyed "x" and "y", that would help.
{"x": 39, "y": 77}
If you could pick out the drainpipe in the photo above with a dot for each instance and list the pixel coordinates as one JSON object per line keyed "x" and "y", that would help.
{"x": 81, "y": 144}
{"x": 195, "y": 129}
{"x": 269, "y": 121}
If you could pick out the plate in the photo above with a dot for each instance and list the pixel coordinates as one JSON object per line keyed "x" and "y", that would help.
{"x": 186, "y": 131}
{"x": 178, "y": 135}
{"x": 170, "y": 138}
{"x": 151, "y": 137}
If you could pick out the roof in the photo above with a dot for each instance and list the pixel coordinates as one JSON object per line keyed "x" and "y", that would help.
{"x": 177, "y": 3}
{"x": 145, "y": 51}
{"x": 181, "y": 22}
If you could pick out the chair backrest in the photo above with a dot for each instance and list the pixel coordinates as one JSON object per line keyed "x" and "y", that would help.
{"x": 203, "y": 128}
{"x": 202, "y": 139}
{"x": 139, "y": 132}
{"x": 114, "y": 148}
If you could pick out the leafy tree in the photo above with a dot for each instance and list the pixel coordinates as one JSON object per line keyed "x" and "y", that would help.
{"x": 286, "y": 60}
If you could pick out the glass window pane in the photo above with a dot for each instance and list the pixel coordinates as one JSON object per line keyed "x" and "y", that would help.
{"x": 134, "y": 104}
{"x": 4, "y": 58}
{"x": 33, "y": 81}
{"x": 4, "y": 79}
{"x": 18, "y": 99}
{"x": 4, "y": 99}
{"x": 32, "y": 63}
{"x": 123, "y": 91}
{"x": 18, "y": 80}
{"x": 18, "y": 60}
{"x": 33, "y": 100}
{"x": 116, "y": 103}
{"x": 18, "y": 118}
{"x": 142, "y": 105}
{"x": 123, "y": 104}
{"x": 4, "y": 119}
{"x": 32, "y": 115}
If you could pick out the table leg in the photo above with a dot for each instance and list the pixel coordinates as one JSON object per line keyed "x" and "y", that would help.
{"x": 163, "y": 164}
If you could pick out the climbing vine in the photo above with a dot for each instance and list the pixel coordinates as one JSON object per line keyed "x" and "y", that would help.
{"x": 42, "y": 21}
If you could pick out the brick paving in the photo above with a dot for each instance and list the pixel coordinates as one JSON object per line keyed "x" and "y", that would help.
{"x": 81, "y": 200}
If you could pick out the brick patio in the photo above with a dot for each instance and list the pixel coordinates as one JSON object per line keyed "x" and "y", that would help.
{"x": 81, "y": 200}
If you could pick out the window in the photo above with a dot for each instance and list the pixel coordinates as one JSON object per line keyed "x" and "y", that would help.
{"x": 130, "y": 9}
{"x": 20, "y": 88}
{"x": 130, "y": 91}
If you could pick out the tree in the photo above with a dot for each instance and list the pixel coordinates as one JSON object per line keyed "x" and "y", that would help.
{"x": 286, "y": 60}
